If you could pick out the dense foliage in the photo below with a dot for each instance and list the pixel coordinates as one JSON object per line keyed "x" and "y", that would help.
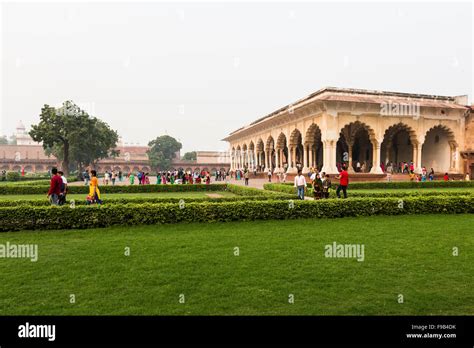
{"x": 386, "y": 185}
{"x": 162, "y": 151}
{"x": 30, "y": 217}
{"x": 15, "y": 189}
{"x": 190, "y": 156}
{"x": 74, "y": 137}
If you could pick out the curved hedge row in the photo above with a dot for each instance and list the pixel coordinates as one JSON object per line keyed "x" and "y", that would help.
{"x": 43, "y": 189}
{"x": 17, "y": 177}
{"x": 272, "y": 196}
{"x": 30, "y": 218}
{"x": 143, "y": 200}
{"x": 386, "y": 184}
{"x": 250, "y": 191}
{"x": 244, "y": 193}
{"x": 34, "y": 181}
{"x": 290, "y": 190}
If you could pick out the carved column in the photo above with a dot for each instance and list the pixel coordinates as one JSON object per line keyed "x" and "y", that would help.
{"x": 315, "y": 157}
{"x": 376, "y": 158}
{"x": 290, "y": 160}
{"x": 311, "y": 162}
{"x": 350, "y": 168}
{"x": 277, "y": 164}
{"x": 305, "y": 159}
{"x": 267, "y": 157}
{"x": 417, "y": 147}
{"x": 415, "y": 155}
{"x": 329, "y": 157}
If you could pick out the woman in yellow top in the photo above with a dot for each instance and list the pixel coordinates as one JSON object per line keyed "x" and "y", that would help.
{"x": 94, "y": 192}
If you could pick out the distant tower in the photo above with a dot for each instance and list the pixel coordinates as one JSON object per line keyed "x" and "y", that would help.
{"x": 22, "y": 137}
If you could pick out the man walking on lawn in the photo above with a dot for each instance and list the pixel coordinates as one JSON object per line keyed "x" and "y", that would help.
{"x": 343, "y": 182}
{"x": 55, "y": 187}
{"x": 300, "y": 184}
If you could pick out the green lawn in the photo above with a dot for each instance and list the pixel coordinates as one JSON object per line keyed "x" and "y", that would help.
{"x": 408, "y": 255}
{"x": 104, "y": 196}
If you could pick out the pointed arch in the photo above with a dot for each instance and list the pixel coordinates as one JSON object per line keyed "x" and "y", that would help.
{"x": 297, "y": 150}
{"x": 281, "y": 152}
{"x": 270, "y": 160}
{"x": 354, "y": 148}
{"x": 260, "y": 145}
{"x": 444, "y": 129}
{"x": 399, "y": 145}
{"x": 281, "y": 141}
{"x": 270, "y": 144}
{"x": 314, "y": 147}
{"x": 440, "y": 150}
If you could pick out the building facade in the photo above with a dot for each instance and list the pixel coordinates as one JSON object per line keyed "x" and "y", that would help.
{"x": 468, "y": 153}
{"x": 33, "y": 159}
{"x": 29, "y": 156}
{"x": 362, "y": 129}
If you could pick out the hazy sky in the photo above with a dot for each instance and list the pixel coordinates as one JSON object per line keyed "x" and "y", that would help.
{"x": 198, "y": 71}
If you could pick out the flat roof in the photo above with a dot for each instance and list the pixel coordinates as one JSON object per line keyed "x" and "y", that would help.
{"x": 363, "y": 96}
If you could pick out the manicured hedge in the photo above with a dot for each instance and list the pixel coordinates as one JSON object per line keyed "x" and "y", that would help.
{"x": 19, "y": 189}
{"x": 82, "y": 189}
{"x": 402, "y": 194}
{"x": 286, "y": 187}
{"x": 143, "y": 200}
{"x": 250, "y": 191}
{"x": 40, "y": 178}
{"x": 13, "y": 176}
{"x": 258, "y": 197}
{"x": 244, "y": 193}
{"x": 42, "y": 182}
{"x": 30, "y": 218}
{"x": 16, "y": 177}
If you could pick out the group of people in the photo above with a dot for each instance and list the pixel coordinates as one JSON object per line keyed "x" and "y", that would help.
{"x": 221, "y": 175}
{"x": 143, "y": 178}
{"x": 58, "y": 187}
{"x": 182, "y": 177}
{"x": 162, "y": 177}
{"x": 242, "y": 174}
{"x": 321, "y": 184}
{"x": 112, "y": 177}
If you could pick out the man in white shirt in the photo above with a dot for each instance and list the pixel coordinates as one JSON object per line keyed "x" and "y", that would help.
{"x": 62, "y": 195}
{"x": 300, "y": 184}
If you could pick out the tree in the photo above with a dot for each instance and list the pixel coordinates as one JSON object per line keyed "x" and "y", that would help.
{"x": 190, "y": 156}
{"x": 73, "y": 136}
{"x": 100, "y": 143}
{"x": 3, "y": 140}
{"x": 162, "y": 151}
